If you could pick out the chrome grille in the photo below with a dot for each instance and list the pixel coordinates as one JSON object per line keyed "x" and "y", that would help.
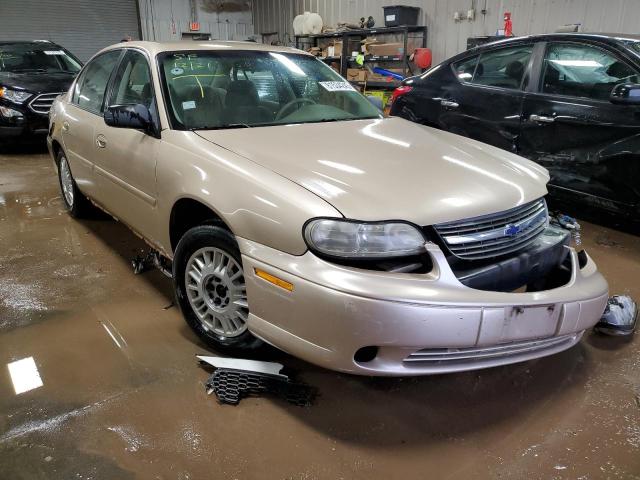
{"x": 496, "y": 234}
{"x": 42, "y": 103}
{"x": 453, "y": 355}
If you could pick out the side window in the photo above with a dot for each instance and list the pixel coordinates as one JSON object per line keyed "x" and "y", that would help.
{"x": 133, "y": 81}
{"x": 92, "y": 84}
{"x": 583, "y": 71}
{"x": 503, "y": 68}
{"x": 465, "y": 68}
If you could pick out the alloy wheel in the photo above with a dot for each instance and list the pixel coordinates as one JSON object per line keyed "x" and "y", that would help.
{"x": 66, "y": 181}
{"x": 216, "y": 290}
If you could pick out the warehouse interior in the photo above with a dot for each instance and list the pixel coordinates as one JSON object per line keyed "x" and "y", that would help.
{"x": 413, "y": 234}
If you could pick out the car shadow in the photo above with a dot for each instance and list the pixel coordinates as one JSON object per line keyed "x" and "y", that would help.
{"x": 381, "y": 411}
{"x": 122, "y": 242}
{"x": 609, "y": 343}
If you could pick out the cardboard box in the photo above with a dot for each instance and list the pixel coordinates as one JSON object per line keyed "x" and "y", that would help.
{"x": 366, "y": 43}
{"x": 376, "y": 77}
{"x": 335, "y": 50}
{"x": 380, "y": 49}
{"x": 356, "y": 74}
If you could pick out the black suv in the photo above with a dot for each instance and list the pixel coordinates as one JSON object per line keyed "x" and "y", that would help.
{"x": 570, "y": 102}
{"x": 32, "y": 74}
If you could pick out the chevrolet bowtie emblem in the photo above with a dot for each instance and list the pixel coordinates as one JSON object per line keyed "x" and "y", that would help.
{"x": 510, "y": 230}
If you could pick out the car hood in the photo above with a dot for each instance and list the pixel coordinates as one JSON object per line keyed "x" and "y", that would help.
{"x": 37, "y": 82}
{"x": 391, "y": 168}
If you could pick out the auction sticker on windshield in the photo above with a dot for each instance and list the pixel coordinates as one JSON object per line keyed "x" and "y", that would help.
{"x": 337, "y": 86}
{"x": 54, "y": 52}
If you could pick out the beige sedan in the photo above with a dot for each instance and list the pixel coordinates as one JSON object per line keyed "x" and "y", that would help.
{"x": 289, "y": 211}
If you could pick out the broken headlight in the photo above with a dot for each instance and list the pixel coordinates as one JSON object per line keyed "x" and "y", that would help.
{"x": 364, "y": 240}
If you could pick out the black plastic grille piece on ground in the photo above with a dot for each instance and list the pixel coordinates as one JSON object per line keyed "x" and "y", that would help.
{"x": 231, "y": 386}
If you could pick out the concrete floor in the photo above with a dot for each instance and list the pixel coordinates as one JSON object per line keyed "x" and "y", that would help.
{"x": 123, "y": 396}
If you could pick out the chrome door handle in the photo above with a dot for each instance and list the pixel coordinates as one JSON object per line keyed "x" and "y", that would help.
{"x": 101, "y": 142}
{"x": 541, "y": 119}
{"x": 65, "y": 126}
{"x": 449, "y": 103}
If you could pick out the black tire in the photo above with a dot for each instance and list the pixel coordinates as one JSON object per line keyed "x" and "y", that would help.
{"x": 193, "y": 240}
{"x": 79, "y": 206}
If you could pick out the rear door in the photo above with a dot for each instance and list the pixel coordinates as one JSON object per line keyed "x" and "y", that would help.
{"x": 125, "y": 158}
{"x": 590, "y": 145}
{"x": 486, "y": 100}
{"x": 80, "y": 117}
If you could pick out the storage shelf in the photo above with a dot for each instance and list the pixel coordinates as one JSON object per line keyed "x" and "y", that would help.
{"x": 348, "y": 37}
{"x": 367, "y": 31}
{"x": 369, "y": 59}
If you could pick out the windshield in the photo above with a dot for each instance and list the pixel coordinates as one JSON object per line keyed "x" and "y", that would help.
{"x": 210, "y": 90}
{"x": 30, "y": 57}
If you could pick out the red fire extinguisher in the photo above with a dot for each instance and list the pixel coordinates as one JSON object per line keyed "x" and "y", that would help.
{"x": 508, "y": 26}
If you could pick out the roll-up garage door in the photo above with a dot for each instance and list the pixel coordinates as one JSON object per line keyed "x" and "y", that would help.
{"x": 81, "y": 26}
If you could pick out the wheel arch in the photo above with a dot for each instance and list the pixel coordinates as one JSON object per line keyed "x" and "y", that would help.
{"x": 188, "y": 212}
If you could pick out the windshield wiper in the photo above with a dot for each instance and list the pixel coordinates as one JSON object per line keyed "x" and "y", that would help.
{"x": 328, "y": 120}
{"x": 222, "y": 127}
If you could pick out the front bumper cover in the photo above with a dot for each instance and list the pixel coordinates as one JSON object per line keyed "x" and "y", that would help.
{"x": 334, "y": 311}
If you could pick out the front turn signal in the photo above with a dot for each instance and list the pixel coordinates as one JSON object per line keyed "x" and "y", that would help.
{"x": 273, "y": 279}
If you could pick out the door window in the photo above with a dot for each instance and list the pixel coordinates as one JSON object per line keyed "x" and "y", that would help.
{"x": 583, "y": 71}
{"x": 503, "y": 68}
{"x": 92, "y": 84}
{"x": 465, "y": 69}
{"x": 133, "y": 81}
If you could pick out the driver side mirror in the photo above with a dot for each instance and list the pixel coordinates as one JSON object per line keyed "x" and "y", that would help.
{"x": 136, "y": 116}
{"x": 625, "y": 94}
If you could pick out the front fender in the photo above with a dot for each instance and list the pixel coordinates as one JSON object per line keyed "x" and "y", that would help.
{"x": 256, "y": 203}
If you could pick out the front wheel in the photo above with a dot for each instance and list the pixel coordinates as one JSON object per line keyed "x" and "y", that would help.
{"x": 210, "y": 288}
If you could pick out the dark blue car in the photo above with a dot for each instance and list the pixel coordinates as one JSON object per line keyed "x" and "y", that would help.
{"x": 32, "y": 75}
{"x": 570, "y": 102}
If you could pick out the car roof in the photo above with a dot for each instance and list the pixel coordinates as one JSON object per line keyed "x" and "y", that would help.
{"x": 209, "y": 45}
{"x": 609, "y": 37}
{"x": 26, "y": 42}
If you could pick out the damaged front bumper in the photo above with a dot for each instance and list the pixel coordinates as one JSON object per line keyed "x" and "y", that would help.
{"x": 380, "y": 323}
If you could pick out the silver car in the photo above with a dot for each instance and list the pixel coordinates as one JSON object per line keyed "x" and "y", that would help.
{"x": 290, "y": 211}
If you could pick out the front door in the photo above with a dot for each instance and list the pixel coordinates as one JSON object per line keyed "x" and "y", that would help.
{"x": 485, "y": 104}
{"x": 590, "y": 145}
{"x": 125, "y": 161}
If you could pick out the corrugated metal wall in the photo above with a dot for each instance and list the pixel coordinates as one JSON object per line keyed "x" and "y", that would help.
{"x": 81, "y": 26}
{"x": 165, "y": 20}
{"x": 448, "y": 37}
